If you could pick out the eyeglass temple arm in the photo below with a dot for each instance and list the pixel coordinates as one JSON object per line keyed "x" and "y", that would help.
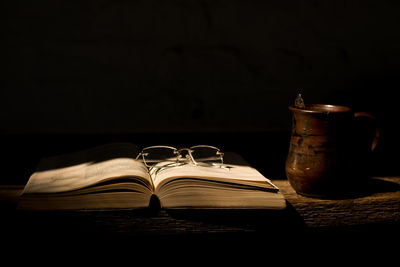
{"x": 191, "y": 157}
{"x": 221, "y": 154}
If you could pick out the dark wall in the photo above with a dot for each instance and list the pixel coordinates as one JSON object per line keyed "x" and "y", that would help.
{"x": 191, "y": 65}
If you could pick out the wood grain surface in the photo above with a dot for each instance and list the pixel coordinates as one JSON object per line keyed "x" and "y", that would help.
{"x": 376, "y": 203}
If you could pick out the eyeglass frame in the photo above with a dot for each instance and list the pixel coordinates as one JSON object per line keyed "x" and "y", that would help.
{"x": 177, "y": 152}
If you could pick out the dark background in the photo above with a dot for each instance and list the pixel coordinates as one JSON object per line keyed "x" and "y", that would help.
{"x": 81, "y": 73}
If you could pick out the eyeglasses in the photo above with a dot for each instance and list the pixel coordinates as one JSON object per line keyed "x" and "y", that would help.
{"x": 197, "y": 155}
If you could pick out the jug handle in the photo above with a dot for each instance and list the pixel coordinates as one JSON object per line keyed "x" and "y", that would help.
{"x": 377, "y": 128}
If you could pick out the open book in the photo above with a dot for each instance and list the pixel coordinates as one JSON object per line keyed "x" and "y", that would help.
{"x": 109, "y": 177}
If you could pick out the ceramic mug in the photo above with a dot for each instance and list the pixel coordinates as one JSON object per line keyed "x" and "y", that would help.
{"x": 328, "y": 154}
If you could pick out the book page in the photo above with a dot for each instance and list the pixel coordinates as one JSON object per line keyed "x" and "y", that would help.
{"x": 240, "y": 174}
{"x": 85, "y": 168}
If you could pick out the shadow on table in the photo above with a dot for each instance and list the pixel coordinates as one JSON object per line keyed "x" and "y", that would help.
{"x": 260, "y": 222}
{"x": 362, "y": 187}
{"x": 379, "y": 185}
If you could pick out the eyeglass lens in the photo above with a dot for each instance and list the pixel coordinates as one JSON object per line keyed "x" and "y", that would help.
{"x": 154, "y": 155}
{"x": 206, "y": 154}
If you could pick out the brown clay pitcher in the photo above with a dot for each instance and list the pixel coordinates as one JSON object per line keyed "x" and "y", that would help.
{"x": 328, "y": 153}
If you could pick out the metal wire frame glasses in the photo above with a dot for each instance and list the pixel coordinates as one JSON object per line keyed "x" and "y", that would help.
{"x": 203, "y": 155}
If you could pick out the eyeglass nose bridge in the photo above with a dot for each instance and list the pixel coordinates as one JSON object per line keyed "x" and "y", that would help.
{"x": 188, "y": 155}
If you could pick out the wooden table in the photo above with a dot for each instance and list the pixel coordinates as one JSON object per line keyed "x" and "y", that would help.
{"x": 379, "y": 204}
{"x": 375, "y": 213}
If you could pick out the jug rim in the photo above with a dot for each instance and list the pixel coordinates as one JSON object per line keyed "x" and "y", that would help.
{"x": 322, "y": 108}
